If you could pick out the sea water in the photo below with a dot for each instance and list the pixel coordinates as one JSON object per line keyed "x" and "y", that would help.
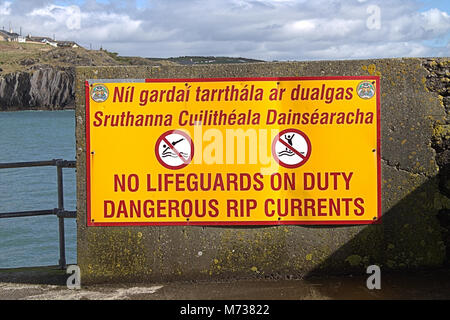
{"x": 35, "y": 136}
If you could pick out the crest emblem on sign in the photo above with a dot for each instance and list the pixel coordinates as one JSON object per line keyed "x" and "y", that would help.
{"x": 99, "y": 93}
{"x": 365, "y": 89}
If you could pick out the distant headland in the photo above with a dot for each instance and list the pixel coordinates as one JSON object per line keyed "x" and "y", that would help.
{"x": 38, "y": 72}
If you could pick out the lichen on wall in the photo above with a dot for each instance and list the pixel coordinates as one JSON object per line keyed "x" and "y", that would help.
{"x": 414, "y": 133}
{"x": 438, "y": 82}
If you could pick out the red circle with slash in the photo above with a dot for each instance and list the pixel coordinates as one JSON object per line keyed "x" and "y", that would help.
{"x": 291, "y": 149}
{"x": 174, "y": 149}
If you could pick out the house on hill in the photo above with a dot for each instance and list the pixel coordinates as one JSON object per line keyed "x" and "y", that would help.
{"x": 67, "y": 44}
{"x": 8, "y": 36}
{"x": 52, "y": 42}
{"x": 14, "y": 37}
{"x": 42, "y": 40}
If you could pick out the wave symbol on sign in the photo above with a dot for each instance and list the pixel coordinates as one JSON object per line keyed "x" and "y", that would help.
{"x": 168, "y": 152}
{"x": 173, "y": 154}
{"x": 288, "y": 152}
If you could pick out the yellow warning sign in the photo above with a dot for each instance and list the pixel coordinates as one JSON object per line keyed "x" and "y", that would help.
{"x": 238, "y": 151}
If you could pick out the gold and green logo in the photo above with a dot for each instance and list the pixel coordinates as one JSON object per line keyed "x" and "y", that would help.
{"x": 366, "y": 89}
{"x": 99, "y": 93}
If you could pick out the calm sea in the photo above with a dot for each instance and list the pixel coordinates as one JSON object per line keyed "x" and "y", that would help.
{"x": 30, "y": 136}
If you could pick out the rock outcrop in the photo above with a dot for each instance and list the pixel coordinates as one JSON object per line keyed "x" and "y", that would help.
{"x": 41, "y": 77}
{"x": 42, "y": 88}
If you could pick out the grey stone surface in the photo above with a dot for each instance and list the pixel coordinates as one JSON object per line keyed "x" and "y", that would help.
{"x": 410, "y": 235}
{"x": 49, "y": 283}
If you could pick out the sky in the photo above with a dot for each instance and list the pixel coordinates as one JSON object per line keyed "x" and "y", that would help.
{"x": 261, "y": 29}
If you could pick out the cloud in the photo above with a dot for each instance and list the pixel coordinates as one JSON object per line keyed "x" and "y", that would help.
{"x": 54, "y": 16}
{"x": 436, "y": 21}
{"x": 265, "y": 29}
{"x": 5, "y": 8}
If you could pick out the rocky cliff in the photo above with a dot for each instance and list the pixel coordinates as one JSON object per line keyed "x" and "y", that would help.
{"x": 44, "y": 88}
{"x": 36, "y": 76}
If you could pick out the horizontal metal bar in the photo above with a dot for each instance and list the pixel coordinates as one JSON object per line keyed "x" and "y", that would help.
{"x": 27, "y": 164}
{"x": 54, "y": 162}
{"x": 66, "y": 214}
{"x": 67, "y": 164}
{"x": 57, "y": 212}
{"x": 27, "y": 213}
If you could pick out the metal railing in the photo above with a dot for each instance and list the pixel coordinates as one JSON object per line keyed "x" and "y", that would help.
{"x": 59, "y": 211}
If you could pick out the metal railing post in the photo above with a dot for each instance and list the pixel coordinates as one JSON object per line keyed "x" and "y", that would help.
{"x": 62, "y": 244}
{"x": 59, "y": 212}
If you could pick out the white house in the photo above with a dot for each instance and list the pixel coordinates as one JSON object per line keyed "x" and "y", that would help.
{"x": 8, "y": 36}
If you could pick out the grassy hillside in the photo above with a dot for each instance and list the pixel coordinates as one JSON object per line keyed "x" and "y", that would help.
{"x": 11, "y": 54}
{"x": 29, "y": 56}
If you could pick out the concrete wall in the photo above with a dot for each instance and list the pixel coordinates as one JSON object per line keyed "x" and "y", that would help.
{"x": 414, "y": 133}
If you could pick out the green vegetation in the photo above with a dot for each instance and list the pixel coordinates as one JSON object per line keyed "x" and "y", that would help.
{"x": 30, "y": 56}
{"x": 16, "y": 56}
{"x": 11, "y": 53}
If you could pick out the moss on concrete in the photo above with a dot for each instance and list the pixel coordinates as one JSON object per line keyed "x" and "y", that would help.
{"x": 409, "y": 236}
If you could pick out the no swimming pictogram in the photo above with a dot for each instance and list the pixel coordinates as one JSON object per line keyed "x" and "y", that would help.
{"x": 174, "y": 149}
{"x": 291, "y": 148}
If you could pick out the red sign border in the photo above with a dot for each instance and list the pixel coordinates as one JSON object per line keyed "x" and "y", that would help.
{"x": 378, "y": 220}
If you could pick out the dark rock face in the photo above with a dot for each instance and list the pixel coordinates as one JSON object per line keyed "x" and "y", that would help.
{"x": 44, "y": 88}
{"x": 438, "y": 81}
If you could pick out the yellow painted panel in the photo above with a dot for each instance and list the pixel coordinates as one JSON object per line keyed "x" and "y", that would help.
{"x": 233, "y": 151}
